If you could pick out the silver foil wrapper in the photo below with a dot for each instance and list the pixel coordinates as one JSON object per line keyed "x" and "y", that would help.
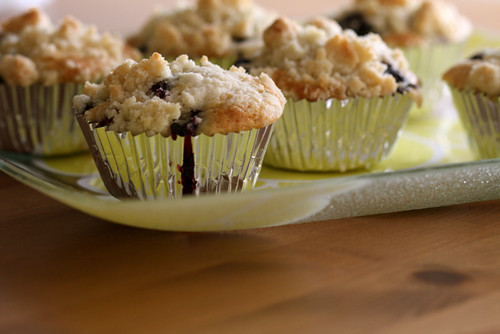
{"x": 39, "y": 119}
{"x": 429, "y": 62}
{"x": 150, "y": 167}
{"x": 337, "y": 135}
{"x": 480, "y": 116}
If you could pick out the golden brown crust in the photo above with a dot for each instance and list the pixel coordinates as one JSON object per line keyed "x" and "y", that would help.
{"x": 149, "y": 96}
{"x": 405, "y": 23}
{"x": 311, "y": 63}
{"x": 33, "y": 17}
{"x": 480, "y": 74}
{"x": 215, "y": 28}
{"x": 45, "y": 54}
{"x": 18, "y": 70}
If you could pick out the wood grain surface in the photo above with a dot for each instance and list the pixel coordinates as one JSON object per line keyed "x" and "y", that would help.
{"x": 427, "y": 271}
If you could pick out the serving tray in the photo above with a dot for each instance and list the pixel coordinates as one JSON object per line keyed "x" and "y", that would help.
{"x": 430, "y": 166}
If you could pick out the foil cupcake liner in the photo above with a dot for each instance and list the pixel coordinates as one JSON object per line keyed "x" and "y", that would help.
{"x": 480, "y": 116}
{"x": 337, "y": 135}
{"x": 428, "y": 63}
{"x": 39, "y": 119}
{"x": 152, "y": 167}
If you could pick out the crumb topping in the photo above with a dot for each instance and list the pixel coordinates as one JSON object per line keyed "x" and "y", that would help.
{"x": 406, "y": 23}
{"x": 215, "y": 28}
{"x": 33, "y": 50}
{"x": 158, "y": 97}
{"x": 318, "y": 61}
{"x": 479, "y": 73}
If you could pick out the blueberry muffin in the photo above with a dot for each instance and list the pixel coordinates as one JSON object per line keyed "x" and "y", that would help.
{"x": 42, "y": 67}
{"x": 475, "y": 87}
{"x": 161, "y": 130}
{"x": 218, "y": 29}
{"x": 431, "y": 33}
{"x": 348, "y": 95}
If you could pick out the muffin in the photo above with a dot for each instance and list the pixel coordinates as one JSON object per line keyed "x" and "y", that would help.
{"x": 42, "y": 67}
{"x": 432, "y": 34}
{"x": 475, "y": 88}
{"x": 348, "y": 96}
{"x": 219, "y": 29}
{"x": 164, "y": 130}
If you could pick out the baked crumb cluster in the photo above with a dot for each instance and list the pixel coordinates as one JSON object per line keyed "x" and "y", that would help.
{"x": 215, "y": 28}
{"x": 319, "y": 61}
{"x": 179, "y": 98}
{"x": 33, "y": 50}
{"x": 406, "y": 23}
{"x": 480, "y": 73}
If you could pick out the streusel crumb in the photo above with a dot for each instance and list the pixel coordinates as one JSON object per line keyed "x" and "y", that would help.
{"x": 215, "y": 28}
{"x": 319, "y": 61}
{"x": 406, "y": 23}
{"x": 158, "y": 97}
{"x": 480, "y": 73}
{"x": 32, "y": 50}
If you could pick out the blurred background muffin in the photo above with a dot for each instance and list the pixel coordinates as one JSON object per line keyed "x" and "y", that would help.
{"x": 218, "y": 29}
{"x": 431, "y": 33}
{"x": 475, "y": 87}
{"x": 348, "y": 95}
{"x": 42, "y": 67}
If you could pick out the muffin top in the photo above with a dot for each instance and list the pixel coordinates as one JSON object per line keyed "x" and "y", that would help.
{"x": 406, "y": 23}
{"x": 480, "y": 73}
{"x": 32, "y": 51}
{"x": 214, "y": 28}
{"x": 179, "y": 98}
{"x": 319, "y": 61}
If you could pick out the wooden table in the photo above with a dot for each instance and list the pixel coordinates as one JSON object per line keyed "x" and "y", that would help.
{"x": 428, "y": 271}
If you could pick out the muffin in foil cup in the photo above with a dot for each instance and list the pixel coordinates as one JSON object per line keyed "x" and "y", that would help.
{"x": 428, "y": 63}
{"x": 480, "y": 116}
{"x": 159, "y": 167}
{"x": 337, "y": 135}
{"x": 39, "y": 120}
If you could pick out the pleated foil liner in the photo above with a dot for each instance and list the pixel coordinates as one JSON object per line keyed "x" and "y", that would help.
{"x": 150, "y": 167}
{"x": 337, "y": 135}
{"x": 429, "y": 63}
{"x": 39, "y": 120}
{"x": 480, "y": 116}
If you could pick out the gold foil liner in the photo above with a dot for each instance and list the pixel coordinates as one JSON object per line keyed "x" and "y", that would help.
{"x": 337, "y": 135}
{"x": 480, "y": 116}
{"x": 428, "y": 63}
{"x": 39, "y": 119}
{"x": 150, "y": 167}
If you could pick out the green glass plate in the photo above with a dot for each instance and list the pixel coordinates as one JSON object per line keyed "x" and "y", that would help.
{"x": 430, "y": 166}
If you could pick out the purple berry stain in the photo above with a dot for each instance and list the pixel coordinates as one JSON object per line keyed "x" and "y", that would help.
{"x": 186, "y": 127}
{"x": 161, "y": 89}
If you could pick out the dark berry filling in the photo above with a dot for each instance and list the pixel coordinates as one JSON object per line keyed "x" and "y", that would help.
{"x": 477, "y": 56}
{"x": 105, "y": 122}
{"x": 403, "y": 83}
{"x": 161, "y": 89}
{"x": 186, "y": 127}
{"x": 357, "y": 22}
{"x": 188, "y": 180}
{"x": 187, "y": 124}
{"x": 241, "y": 61}
{"x": 239, "y": 39}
